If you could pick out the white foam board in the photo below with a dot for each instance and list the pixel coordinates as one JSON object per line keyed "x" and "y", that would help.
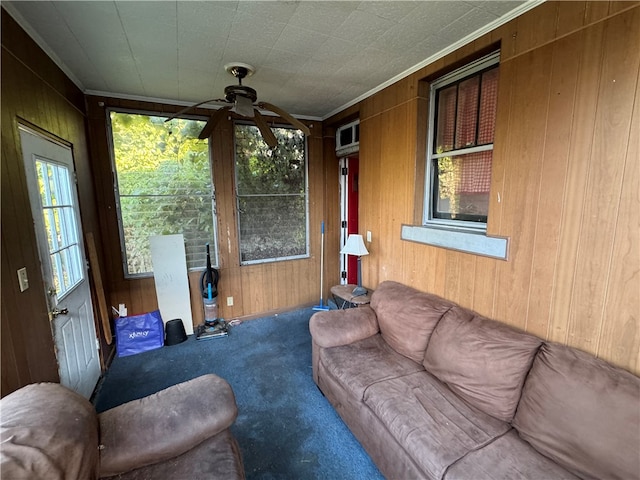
{"x": 169, "y": 261}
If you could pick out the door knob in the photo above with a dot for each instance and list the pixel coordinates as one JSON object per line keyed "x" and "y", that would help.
{"x": 55, "y": 312}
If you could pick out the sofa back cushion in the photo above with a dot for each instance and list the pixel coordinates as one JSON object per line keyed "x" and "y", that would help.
{"x": 582, "y": 412}
{"x": 407, "y": 317}
{"x": 483, "y": 361}
{"x": 48, "y": 432}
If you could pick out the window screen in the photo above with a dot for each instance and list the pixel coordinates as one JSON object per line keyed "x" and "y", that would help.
{"x": 271, "y": 188}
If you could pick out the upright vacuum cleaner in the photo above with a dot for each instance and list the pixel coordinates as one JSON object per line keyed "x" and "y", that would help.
{"x": 213, "y": 326}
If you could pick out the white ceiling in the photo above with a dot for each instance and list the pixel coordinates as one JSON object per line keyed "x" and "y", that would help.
{"x": 312, "y": 58}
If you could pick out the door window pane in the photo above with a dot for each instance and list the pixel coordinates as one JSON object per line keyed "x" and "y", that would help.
{"x": 61, "y": 228}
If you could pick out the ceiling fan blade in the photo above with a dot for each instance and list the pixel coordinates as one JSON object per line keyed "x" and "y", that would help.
{"x": 266, "y": 132}
{"x": 287, "y": 116}
{"x": 190, "y": 107}
{"x": 212, "y": 122}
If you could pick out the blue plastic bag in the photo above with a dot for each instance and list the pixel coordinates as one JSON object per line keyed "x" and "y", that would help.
{"x": 139, "y": 333}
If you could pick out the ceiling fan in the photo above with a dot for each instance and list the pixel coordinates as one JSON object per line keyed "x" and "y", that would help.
{"x": 243, "y": 101}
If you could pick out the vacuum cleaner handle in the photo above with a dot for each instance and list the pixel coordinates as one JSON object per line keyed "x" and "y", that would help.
{"x": 210, "y": 276}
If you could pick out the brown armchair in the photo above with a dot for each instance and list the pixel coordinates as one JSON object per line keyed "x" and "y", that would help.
{"x": 49, "y": 432}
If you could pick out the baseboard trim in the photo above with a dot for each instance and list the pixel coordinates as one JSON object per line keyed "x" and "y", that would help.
{"x": 269, "y": 313}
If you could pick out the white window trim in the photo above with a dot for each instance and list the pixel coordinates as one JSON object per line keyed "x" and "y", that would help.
{"x": 463, "y": 236}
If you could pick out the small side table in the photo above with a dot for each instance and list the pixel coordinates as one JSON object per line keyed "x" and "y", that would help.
{"x": 343, "y": 296}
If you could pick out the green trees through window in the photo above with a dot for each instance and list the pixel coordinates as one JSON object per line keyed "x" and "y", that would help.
{"x": 164, "y": 186}
{"x": 271, "y": 190}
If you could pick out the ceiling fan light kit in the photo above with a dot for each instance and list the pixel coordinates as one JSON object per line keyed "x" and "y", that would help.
{"x": 243, "y": 106}
{"x": 241, "y": 100}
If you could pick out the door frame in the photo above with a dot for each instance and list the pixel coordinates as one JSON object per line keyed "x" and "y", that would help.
{"x": 91, "y": 337}
{"x": 349, "y": 198}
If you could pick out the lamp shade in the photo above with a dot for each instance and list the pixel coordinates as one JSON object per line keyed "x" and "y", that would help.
{"x": 354, "y": 246}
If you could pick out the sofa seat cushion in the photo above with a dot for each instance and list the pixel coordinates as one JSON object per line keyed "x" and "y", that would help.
{"x": 364, "y": 363}
{"x": 48, "y": 432}
{"x": 582, "y": 412}
{"x": 435, "y": 426}
{"x": 407, "y": 317}
{"x": 507, "y": 458}
{"x": 482, "y": 360}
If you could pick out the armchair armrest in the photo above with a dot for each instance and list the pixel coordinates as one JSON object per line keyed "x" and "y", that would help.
{"x": 164, "y": 425}
{"x": 341, "y": 327}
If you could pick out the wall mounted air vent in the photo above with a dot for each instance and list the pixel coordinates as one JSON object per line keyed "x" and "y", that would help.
{"x": 348, "y": 138}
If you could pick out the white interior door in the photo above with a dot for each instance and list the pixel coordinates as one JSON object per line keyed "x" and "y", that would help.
{"x": 56, "y": 217}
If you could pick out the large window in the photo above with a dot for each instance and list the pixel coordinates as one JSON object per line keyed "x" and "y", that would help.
{"x": 462, "y": 119}
{"x": 271, "y": 187}
{"x": 163, "y": 186}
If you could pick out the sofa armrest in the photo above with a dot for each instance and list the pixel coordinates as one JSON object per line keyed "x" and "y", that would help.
{"x": 164, "y": 425}
{"x": 341, "y": 327}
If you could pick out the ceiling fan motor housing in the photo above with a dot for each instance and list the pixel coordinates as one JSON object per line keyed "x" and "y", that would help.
{"x": 232, "y": 91}
{"x": 242, "y": 100}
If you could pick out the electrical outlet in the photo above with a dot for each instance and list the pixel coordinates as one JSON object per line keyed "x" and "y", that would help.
{"x": 23, "y": 280}
{"x": 229, "y": 301}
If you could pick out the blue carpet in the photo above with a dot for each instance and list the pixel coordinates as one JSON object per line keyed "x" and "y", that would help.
{"x": 285, "y": 427}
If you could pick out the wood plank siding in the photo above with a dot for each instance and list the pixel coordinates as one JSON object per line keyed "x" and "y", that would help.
{"x": 564, "y": 191}
{"x": 565, "y": 187}
{"x": 37, "y": 93}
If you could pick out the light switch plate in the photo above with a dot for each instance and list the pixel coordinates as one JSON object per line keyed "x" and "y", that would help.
{"x": 23, "y": 280}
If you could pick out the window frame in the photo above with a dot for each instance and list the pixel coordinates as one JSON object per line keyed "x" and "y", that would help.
{"x": 116, "y": 191}
{"x": 307, "y": 253}
{"x": 478, "y": 66}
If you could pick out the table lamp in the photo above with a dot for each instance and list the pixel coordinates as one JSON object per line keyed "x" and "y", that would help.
{"x": 355, "y": 246}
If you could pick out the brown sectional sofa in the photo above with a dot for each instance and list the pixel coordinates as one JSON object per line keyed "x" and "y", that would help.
{"x": 50, "y": 432}
{"x": 433, "y": 390}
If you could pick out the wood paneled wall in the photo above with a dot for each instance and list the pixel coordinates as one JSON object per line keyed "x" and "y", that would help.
{"x": 565, "y": 182}
{"x": 566, "y": 167}
{"x": 36, "y": 92}
{"x": 256, "y": 289}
